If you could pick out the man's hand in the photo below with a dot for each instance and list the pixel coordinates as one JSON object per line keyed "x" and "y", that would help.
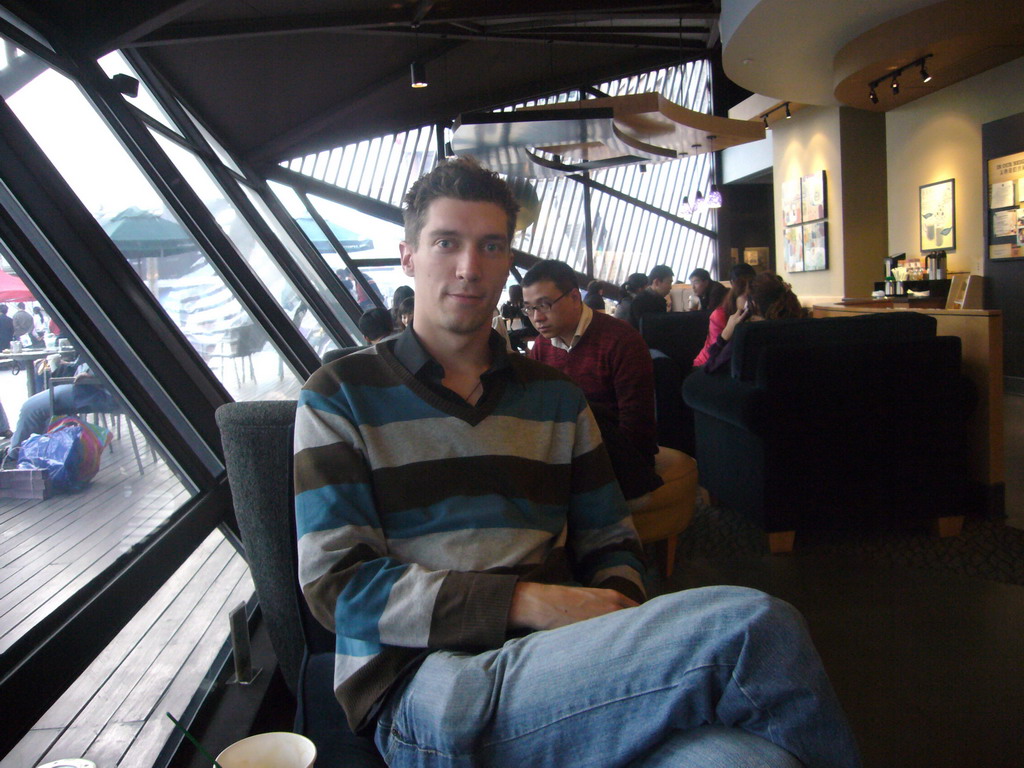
{"x": 546, "y": 606}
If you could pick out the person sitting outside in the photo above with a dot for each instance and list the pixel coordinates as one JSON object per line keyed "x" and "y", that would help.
{"x": 375, "y": 324}
{"x": 6, "y": 328}
{"x": 85, "y": 395}
{"x": 23, "y": 323}
{"x": 710, "y": 293}
{"x": 630, "y": 289}
{"x": 739, "y": 276}
{"x": 608, "y": 360}
{"x": 461, "y": 532}
{"x": 652, "y": 298}
{"x": 768, "y": 298}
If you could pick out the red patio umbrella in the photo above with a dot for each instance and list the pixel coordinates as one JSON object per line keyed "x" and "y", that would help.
{"x": 13, "y": 289}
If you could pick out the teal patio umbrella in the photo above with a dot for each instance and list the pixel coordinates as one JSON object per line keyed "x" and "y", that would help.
{"x": 351, "y": 241}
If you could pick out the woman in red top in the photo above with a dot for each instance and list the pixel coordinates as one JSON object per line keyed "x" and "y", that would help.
{"x": 740, "y": 277}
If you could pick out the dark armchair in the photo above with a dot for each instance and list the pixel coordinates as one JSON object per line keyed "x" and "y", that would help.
{"x": 257, "y": 439}
{"x": 836, "y": 422}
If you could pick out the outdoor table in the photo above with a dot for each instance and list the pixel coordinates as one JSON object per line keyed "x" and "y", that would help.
{"x": 26, "y": 358}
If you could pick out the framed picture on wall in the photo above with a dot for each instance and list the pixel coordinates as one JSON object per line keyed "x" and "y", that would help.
{"x": 793, "y": 247}
{"x": 938, "y": 216}
{"x": 791, "y": 211}
{"x": 815, "y": 246}
{"x": 812, "y": 195}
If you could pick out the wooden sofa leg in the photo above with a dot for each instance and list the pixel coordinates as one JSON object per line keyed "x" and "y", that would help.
{"x": 947, "y": 527}
{"x": 781, "y": 542}
{"x": 670, "y": 555}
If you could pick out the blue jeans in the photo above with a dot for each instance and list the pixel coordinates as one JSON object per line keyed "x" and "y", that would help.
{"x": 638, "y": 688}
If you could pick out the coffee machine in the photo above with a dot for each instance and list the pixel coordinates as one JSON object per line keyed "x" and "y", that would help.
{"x": 936, "y": 265}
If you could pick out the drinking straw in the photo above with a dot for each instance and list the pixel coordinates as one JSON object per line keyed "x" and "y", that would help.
{"x": 193, "y": 739}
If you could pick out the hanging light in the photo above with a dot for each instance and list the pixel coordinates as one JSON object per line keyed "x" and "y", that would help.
{"x": 714, "y": 197}
{"x": 700, "y": 204}
{"x": 686, "y": 208}
{"x": 418, "y": 74}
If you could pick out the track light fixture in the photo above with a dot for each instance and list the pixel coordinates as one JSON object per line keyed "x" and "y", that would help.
{"x": 784, "y": 105}
{"x": 894, "y": 77}
{"x": 418, "y": 74}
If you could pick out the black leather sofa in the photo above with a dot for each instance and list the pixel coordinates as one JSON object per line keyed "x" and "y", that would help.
{"x": 835, "y": 423}
{"x": 675, "y": 338}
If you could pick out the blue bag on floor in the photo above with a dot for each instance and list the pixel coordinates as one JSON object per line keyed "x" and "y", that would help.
{"x": 60, "y": 452}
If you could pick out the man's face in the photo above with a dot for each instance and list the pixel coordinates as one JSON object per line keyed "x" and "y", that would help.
{"x": 699, "y": 285}
{"x": 563, "y": 315}
{"x": 460, "y": 265}
{"x": 662, "y": 287}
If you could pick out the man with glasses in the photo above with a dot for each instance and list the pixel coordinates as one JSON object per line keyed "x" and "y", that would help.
{"x": 608, "y": 360}
{"x": 461, "y": 533}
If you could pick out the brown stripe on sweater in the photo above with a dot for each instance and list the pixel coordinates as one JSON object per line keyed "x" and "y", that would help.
{"x": 429, "y": 482}
{"x": 329, "y": 465}
{"x": 591, "y": 470}
{"x": 324, "y": 591}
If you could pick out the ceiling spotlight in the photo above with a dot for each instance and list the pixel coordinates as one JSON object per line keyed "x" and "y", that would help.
{"x": 895, "y": 85}
{"x": 873, "y": 96}
{"x": 925, "y": 77}
{"x": 643, "y": 168}
{"x": 418, "y": 74}
{"x": 714, "y": 197}
{"x": 788, "y": 113}
{"x": 765, "y": 119}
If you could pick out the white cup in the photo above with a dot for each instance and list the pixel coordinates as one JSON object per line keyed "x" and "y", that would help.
{"x": 279, "y": 749}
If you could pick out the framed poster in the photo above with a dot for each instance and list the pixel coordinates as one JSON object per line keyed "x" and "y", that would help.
{"x": 791, "y": 212}
{"x": 812, "y": 195}
{"x": 793, "y": 246}
{"x": 938, "y": 216}
{"x": 815, "y": 246}
{"x": 1006, "y": 207}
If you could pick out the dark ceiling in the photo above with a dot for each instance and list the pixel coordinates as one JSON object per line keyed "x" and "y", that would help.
{"x": 276, "y": 79}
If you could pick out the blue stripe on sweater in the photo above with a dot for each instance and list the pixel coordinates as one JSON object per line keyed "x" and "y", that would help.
{"x": 460, "y": 513}
{"x": 350, "y": 646}
{"x": 361, "y": 604}
{"x": 365, "y": 405}
{"x": 602, "y": 507}
{"x": 315, "y": 509}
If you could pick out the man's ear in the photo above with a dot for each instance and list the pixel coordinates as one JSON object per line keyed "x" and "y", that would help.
{"x": 407, "y": 258}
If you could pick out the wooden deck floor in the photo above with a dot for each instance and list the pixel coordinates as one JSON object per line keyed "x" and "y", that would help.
{"x": 114, "y": 713}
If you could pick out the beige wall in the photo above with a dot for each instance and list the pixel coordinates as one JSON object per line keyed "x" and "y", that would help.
{"x": 809, "y": 143}
{"x": 939, "y": 137}
{"x": 849, "y": 145}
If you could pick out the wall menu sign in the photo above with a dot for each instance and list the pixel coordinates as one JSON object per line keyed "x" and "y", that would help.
{"x": 1006, "y": 207}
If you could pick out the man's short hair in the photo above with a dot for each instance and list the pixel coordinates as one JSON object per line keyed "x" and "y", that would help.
{"x": 660, "y": 272}
{"x": 460, "y": 178}
{"x": 3, "y": 309}
{"x": 558, "y": 272}
{"x": 375, "y": 323}
{"x": 701, "y": 274}
{"x": 21, "y": 305}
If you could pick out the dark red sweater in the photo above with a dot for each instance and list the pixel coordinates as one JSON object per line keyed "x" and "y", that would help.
{"x": 612, "y": 365}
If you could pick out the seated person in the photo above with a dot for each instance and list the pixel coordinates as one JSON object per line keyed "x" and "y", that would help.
{"x": 710, "y": 293}
{"x": 608, "y": 360}
{"x": 485, "y": 587}
{"x": 86, "y": 395}
{"x": 652, "y": 298}
{"x": 630, "y": 289}
{"x": 520, "y": 329}
{"x": 740, "y": 276}
{"x": 375, "y": 324}
{"x": 594, "y": 297}
{"x": 401, "y": 294}
{"x": 405, "y": 311}
{"x": 768, "y": 298}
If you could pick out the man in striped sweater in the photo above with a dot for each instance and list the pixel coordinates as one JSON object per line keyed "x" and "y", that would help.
{"x": 461, "y": 532}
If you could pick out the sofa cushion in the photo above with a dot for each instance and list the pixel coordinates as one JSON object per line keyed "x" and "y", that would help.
{"x": 680, "y": 335}
{"x": 752, "y": 339}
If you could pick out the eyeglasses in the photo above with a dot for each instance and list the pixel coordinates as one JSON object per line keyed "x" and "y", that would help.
{"x": 543, "y": 305}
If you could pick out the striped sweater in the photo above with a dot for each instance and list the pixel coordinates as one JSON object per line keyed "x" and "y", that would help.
{"x": 417, "y": 515}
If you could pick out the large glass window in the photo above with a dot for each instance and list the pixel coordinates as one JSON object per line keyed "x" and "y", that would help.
{"x": 151, "y": 238}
